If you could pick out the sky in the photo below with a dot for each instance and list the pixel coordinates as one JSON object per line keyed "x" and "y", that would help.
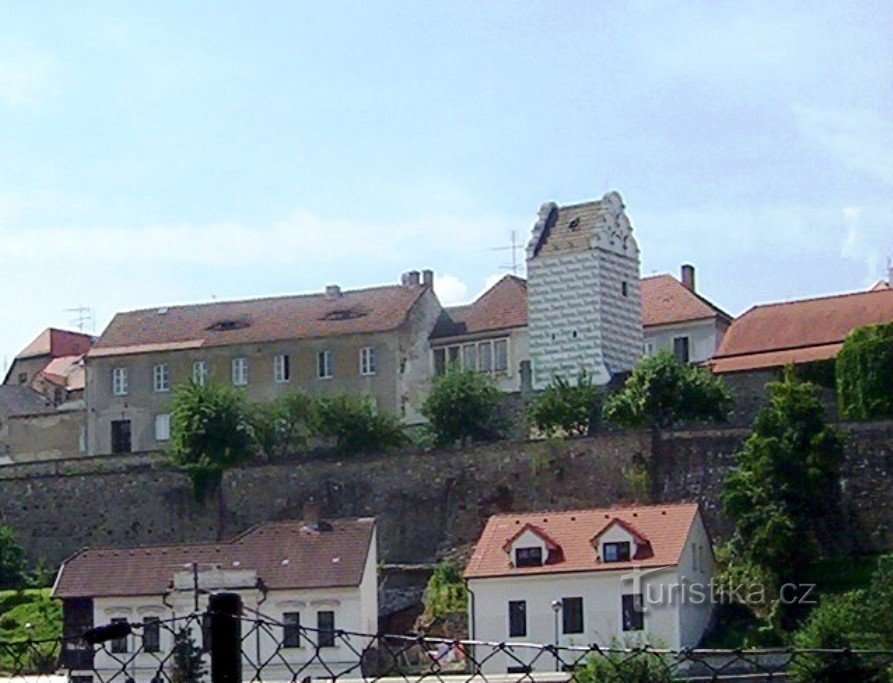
{"x": 171, "y": 152}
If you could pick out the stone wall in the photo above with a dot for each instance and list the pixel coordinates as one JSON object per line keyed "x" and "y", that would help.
{"x": 425, "y": 502}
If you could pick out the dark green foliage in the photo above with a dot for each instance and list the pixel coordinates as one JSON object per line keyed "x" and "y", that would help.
{"x": 210, "y": 432}
{"x": 357, "y": 426}
{"x": 865, "y": 373}
{"x": 445, "y": 591}
{"x": 463, "y": 407}
{"x": 565, "y": 408}
{"x": 820, "y": 372}
{"x": 12, "y": 560}
{"x": 188, "y": 666}
{"x": 662, "y": 392}
{"x": 624, "y": 667}
{"x": 283, "y": 427}
{"x": 785, "y": 481}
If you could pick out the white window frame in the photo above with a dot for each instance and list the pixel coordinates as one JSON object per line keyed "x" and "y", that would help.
{"x": 324, "y": 368}
{"x": 120, "y": 381}
{"x": 505, "y": 370}
{"x": 200, "y": 372}
{"x": 161, "y": 378}
{"x": 240, "y": 371}
{"x": 163, "y": 427}
{"x": 485, "y": 350}
{"x": 367, "y": 361}
{"x": 281, "y": 368}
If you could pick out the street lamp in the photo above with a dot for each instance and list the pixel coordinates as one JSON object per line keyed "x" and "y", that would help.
{"x": 556, "y": 610}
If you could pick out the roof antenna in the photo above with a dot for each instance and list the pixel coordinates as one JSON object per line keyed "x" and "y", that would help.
{"x": 82, "y": 316}
{"x": 515, "y": 246}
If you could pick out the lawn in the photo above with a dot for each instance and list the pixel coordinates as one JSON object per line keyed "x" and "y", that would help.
{"x": 29, "y": 614}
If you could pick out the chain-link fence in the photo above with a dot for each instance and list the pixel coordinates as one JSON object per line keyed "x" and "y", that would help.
{"x": 224, "y": 645}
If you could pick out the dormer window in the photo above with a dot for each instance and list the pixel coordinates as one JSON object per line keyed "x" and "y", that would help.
{"x": 528, "y": 557}
{"x": 616, "y": 552}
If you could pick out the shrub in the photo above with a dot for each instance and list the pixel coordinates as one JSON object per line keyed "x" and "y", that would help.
{"x": 462, "y": 407}
{"x": 624, "y": 667}
{"x": 571, "y": 409}
{"x": 285, "y": 425}
{"x": 865, "y": 373}
{"x": 357, "y": 427}
{"x": 445, "y": 592}
{"x": 12, "y": 560}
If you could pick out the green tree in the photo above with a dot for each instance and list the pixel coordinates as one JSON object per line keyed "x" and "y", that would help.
{"x": 784, "y": 483}
{"x": 444, "y": 592}
{"x": 13, "y": 567}
{"x": 463, "y": 407}
{"x": 864, "y": 373}
{"x": 210, "y": 432}
{"x": 566, "y": 408}
{"x": 188, "y": 665}
{"x": 662, "y": 392}
{"x": 285, "y": 425}
{"x": 357, "y": 426}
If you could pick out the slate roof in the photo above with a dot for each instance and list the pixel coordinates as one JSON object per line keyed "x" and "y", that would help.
{"x": 17, "y": 400}
{"x": 665, "y": 527}
{"x": 502, "y": 307}
{"x": 775, "y": 335}
{"x": 377, "y": 309}
{"x": 285, "y": 555}
{"x": 665, "y": 301}
{"x": 55, "y": 342}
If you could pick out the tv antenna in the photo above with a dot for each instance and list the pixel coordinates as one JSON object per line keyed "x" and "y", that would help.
{"x": 514, "y": 248}
{"x": 81, "y": 316}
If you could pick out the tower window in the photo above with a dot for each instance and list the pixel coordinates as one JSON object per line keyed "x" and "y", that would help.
{"x": 624, "y": 288}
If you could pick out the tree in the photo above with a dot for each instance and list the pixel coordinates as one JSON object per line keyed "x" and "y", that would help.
{"x": 13, "y": 567}
{"x": 864, "y": 373}
{"x": 284, "y": 425}
{"x": 784, "y": 483}
{"x": 188, "y": 665}
{"x": 357, "y": 426}
{"x": 445, "y": 592}
{"x": 210, "y": 432}
{"x": 571, "y": 409}
{"x": 461, "y": 407}
{"x": 662, "y": 392}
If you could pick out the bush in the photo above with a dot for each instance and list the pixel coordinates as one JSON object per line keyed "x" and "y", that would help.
{"x": 462, "y": 407}
{"x": 29, "y": 615}
{"x": 445, "y": 592}
{"x": 624, "y": 667}
{"x": 285, "y": 425}
{"x": 662, "y": 392}
{"x": 565, "y": 408}
{"x": 13, "y": 572}
{"x": 865, "y": 373}
{"x": 357, "y": 427}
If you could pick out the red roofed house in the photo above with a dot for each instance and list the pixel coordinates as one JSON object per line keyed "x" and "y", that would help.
{"x": 310, "y": 579}
{"x": 676, "y": 318}
{"x": 631, "y": 575}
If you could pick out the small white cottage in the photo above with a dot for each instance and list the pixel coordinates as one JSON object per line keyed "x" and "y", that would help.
{"x": 311, "y": 579}
{"x": 630, "y": 575}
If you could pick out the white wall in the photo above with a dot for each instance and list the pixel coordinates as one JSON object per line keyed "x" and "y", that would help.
{"x": 696, "y": 571}
{"x": 704, "y": 337}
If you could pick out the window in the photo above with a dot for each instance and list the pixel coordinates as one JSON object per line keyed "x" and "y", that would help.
{"x": 528, "y": 557}
{"x": 624, "y": 288}
{"x": 501, "y": 355}
{"x": 325, "y": 626}
{"x": 281, "y": 369}
{"x": 367, "y": 360}
{"x": 200, "y": 372}
{"x": 324, "y": 365}
{"x": 517, "y": 618}
{"x": 23, "y": 378}
{"x": 485, "y": 356}
{"x": 163, "y": 427}
{"x": 240, "y": 372}
{"x": 439, "y": 362}
{"x": 119, "y": 645}
{"x": 680, "y": 349}
{"x": 694, "y": 557}
{"x": 58, "y": 396}
{"x": 648, "y": 348}
{"x": 291, "y": 629}
{"x": 120, "y": 383}
{"x": 453, "y": 357}
{"x": 615, "y": 552}
{"x": 151, "y": 634}
{"x": 161, "y": 378}
{"x": 470, "y": 357}
{"x": 633, "y": 613}
{"x": 572, "y": 615}
{"x": 120, "y": 436}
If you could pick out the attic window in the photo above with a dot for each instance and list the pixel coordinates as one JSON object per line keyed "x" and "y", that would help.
{"x": 529, "y": 557}
{"x": 574, "y": 224}
{"x": 616, "y": 552}
{"x": 344, "y": 314}
{"x": 228, "y": 325}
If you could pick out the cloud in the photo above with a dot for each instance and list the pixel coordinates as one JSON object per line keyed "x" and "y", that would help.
{"x": 22, "y": 77}
{"x": 867, "y": 239}
{"x": 450, "y": 290}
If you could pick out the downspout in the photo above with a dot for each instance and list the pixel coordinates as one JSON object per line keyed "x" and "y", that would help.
{"x": 263, "y": 590}
{"x": 471, "y": 625}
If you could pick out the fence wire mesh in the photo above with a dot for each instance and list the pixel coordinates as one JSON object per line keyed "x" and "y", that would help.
{"x": 181, "y": 650}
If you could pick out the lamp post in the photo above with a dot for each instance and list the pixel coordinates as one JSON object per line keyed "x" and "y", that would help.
{"x": 556, "y": 610}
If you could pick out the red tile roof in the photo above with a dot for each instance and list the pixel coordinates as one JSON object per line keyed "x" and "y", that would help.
{"x": 665, "y": 301}
{"x": 54, "y": 342}
{"x": 774, "y": 335}
{"x": 284, "y": 555}
{"x": 664, "y": 526}
{"x": 66, "y": 371}
{"x": 501, "y": 307}
{"x": 308, "y": 316}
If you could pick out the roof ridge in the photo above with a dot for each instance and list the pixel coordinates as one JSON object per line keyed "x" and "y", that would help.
{"x": 862, "y": 292}
{"x": 633, "y": 507}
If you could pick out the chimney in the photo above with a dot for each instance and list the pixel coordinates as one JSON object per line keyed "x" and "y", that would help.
{"x": 333, "y": 292}
{"x": 688, "y": 276}
{"x": 413, "y": 278}
{"x": 312, "y": 514}
{"x": 428, "y": 278}
{"x": 404, "y": 279}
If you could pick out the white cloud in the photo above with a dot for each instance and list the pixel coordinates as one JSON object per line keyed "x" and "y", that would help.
{"x": 489, "y": 282}
{"x": 450, "y": 290}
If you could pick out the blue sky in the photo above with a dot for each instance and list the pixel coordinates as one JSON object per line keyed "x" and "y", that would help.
{"x": 166, "y": 152}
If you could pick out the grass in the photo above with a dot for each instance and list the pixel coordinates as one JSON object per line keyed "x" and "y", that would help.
{"x": 29, "y": 614}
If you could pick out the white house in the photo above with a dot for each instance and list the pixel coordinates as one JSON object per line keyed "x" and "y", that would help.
{"x": 630, "y": 575}
{"x": 305, "y": 581}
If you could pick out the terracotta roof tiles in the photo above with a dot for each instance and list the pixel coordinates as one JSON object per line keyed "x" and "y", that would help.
{"x": 665, "y": 301}
{"x": 501, "y": 307}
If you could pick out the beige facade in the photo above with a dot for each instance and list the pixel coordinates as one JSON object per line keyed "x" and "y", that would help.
{"x": 50, "y": 436}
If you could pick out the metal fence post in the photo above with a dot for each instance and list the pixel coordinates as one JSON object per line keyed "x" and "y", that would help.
{"x": 226, "y": 638}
